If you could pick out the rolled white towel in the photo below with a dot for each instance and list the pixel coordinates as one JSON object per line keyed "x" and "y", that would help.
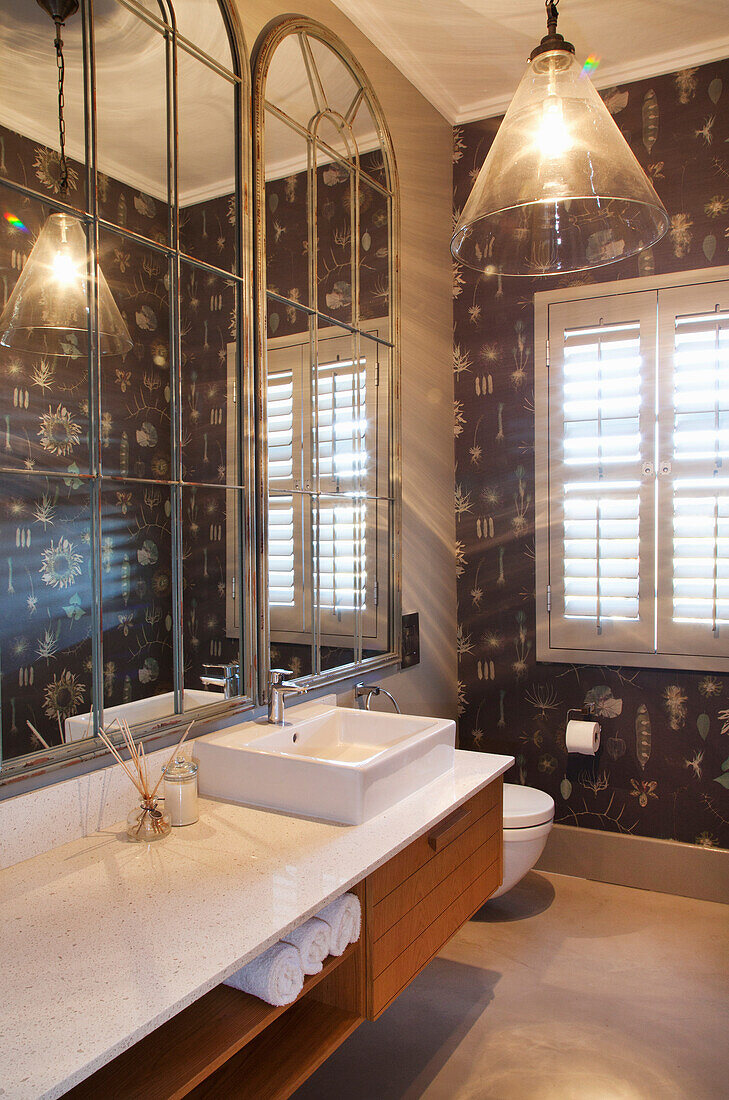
{"x": 312, "y": 940}
{"x": 344, "y": 917}
{"x": 275, "y": 976}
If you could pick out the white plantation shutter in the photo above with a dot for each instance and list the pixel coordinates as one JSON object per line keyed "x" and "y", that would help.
{"x": 601, "y": 424}
{"x": 693, "y": 470}
{"x": 633, "y": 474}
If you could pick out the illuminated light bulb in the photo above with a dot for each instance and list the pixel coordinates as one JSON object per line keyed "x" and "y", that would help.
{"x": 64, "y": 269}
{"x": 553, "y": 136}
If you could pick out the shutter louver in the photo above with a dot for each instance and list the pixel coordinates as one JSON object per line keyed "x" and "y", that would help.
{"x": 342, "y": 462}
{"x": 281, "y": 572}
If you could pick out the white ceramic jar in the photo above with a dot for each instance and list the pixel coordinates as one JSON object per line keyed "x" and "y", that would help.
{"x": 181, "y": 792}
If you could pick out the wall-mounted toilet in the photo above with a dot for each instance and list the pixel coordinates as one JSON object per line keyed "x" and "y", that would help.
{"x": 528, "y": 818}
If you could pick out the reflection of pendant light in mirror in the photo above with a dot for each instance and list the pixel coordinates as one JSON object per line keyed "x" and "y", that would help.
{"x": 47, "y": 311}
{"x": 560, "y": 189}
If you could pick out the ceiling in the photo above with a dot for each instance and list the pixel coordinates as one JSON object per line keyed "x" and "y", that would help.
{"x": 467, "y": 56}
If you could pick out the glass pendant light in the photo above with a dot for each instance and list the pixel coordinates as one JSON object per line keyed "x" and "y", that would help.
{"x": 560, "y": 189}
{"x": 47, "y": 312}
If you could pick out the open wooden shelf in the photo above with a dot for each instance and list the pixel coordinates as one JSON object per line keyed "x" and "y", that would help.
{"x": 282, "y": 1057}
{"x": 182, "y": 1053}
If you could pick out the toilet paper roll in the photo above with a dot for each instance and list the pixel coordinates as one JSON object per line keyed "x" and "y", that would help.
{"x": 583, "y": 737}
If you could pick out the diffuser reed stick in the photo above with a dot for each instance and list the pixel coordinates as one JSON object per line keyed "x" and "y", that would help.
{"x": 137, "y": 771}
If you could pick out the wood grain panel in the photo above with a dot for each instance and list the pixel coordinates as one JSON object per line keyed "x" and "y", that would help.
{"x": 415, "y": 922}
{"x": 388, "y": 877}
{"x": 403, "y": 969}
{"x": 399, "y": 901}
{"x": 282, "y": 1057}
{"x": 181, "y": 1053}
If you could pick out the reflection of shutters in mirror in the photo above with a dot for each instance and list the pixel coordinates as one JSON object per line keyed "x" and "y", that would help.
{"x": 637, "y": 497}
{"x": 344, "y": 437}
{"x": 287, "y": 598}
{"x": 342, "y": 410}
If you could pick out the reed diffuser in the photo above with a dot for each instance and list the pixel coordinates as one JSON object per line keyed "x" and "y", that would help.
{"x": 146, "y": 822}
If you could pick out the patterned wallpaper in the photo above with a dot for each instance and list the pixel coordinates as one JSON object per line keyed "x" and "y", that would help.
{"x": 45, "y": 633}
{"x": 287, "y": 246}
{"x": 663, "y": 769}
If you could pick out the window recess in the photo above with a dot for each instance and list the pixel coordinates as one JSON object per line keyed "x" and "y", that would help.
{"x": 632, "y": 460}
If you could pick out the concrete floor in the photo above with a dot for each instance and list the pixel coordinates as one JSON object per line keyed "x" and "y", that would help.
{"x": 563, "y": 989}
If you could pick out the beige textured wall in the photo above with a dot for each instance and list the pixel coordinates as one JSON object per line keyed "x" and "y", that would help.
{"x": 422, "y": 140}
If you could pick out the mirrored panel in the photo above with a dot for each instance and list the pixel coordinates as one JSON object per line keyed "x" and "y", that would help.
{"x": 132, "y": 145}
{"x": 202, "y": 24}
{"x": 45, "y": 628}
{"x": 335, "y": 190}
{"x": 330, "y": 397}
{"x": 287, "y": 201}
{"x": 136, "y": 387}
{"x": 291, "y": 86}
{"x": 209, "y": 356}
{"x": 211, "y": 594}
{"x": 206, "y": 163}
{"x": 374, "y": 235}
{"x": 339, "y": 576}
{"x": 44, "y": 399}
{"x": 123, "y": 372}
{"x": 137, "y": 589}
{"x": 30, "y": 151}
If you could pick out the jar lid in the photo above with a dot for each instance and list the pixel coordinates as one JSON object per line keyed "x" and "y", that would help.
{"x": 180, "y": 771}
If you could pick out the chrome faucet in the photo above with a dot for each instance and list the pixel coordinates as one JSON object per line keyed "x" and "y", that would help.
{"x": 278, "y": 690}
{"x": 227, "y": 679}
{"x": 366, "y": 692}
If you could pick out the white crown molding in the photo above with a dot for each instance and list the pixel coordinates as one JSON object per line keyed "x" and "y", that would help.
{"x": 669, "y": 61}
{"x": 374, "y": 27}
{"x": 122, "y": 173}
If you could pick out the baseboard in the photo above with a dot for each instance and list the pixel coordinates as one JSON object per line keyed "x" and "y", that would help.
{"x": 642, "y": 862}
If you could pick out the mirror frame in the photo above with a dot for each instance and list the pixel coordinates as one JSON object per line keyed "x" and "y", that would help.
{"x": 263, "y": 51}
{"x": 17, "y": 771}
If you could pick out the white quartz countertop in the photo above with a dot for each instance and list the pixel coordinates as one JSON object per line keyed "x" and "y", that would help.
{"x": 102, "y": 940}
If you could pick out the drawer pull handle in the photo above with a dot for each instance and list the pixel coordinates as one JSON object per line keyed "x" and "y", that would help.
{"x": 447, "y": 830}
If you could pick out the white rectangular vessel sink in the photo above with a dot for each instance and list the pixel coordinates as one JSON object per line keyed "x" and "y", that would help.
{"x": 333, "y": 763}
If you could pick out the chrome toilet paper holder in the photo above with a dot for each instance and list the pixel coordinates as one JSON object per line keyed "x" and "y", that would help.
{"x": 582, "y": 714}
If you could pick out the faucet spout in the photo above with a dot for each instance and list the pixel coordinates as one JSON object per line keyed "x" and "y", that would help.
{"x": 278, "y": 690}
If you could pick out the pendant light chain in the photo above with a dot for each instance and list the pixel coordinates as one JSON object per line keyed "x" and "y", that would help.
{"x": 58, "y": 43}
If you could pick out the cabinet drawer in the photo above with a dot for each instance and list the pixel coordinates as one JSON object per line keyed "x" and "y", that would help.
{"x": 393, "y": 979}
{"x": 390, "y": 876}
{"x": 409, "y": 893}
{"x": 415, "y": 922}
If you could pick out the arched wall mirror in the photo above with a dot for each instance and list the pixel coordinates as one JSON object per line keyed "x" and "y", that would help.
{"x": 326, "y": 269}
{"x": 125, "y": 475}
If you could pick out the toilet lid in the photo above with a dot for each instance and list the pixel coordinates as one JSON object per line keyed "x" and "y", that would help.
{"x": 526, "y": 806}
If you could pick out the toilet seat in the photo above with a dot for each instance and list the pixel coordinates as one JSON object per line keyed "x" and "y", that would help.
{"x": 525, "y": 807}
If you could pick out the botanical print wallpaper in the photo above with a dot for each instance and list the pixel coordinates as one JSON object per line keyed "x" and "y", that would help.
{"x": 663, "y": 769}
{"x": 46, "y": 507}
{"x": 287, "y": 246}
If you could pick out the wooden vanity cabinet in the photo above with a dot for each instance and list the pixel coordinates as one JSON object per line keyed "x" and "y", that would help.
{"x": 419, "y": 899}
{"x": 228, "y": 1044}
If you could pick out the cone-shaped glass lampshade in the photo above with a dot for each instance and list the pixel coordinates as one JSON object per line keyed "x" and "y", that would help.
{"x": 560, "y": 189}
{"x": 48, "y": 311}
